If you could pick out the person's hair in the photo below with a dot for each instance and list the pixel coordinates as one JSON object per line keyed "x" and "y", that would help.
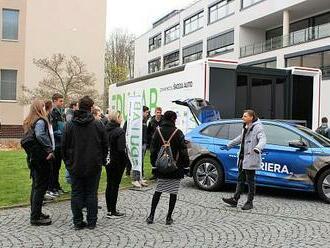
{"x": 36, "y": 112}
{"x": 324, "y": 120}
{"x": 251, "y": 112}
{"x": 145, "y": 108}
{"x": 57, "y": 96}
{"x": 158, "y": 109}
{"x": 86, "y": 103}
{"x": 170, "y": 116}
{"x": 73, "y": 103}
{"x": 48, "y": 105}
{"x": 113, "y": 115}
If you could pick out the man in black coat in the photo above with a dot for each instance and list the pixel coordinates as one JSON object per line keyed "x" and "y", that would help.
{"x": 85, "y": 147}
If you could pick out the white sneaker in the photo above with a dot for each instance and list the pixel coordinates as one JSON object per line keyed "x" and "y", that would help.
{"x": 136, "y": 184}
{"x": 49, "y": 196}
{"x": 144, "y": 183}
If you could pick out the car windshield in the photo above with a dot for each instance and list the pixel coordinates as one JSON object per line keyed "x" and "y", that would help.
{"x": 315, "y": 136}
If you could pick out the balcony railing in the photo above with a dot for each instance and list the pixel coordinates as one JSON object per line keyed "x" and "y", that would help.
{"x": 293, "y": 38}
{"x": 325, "y": 71}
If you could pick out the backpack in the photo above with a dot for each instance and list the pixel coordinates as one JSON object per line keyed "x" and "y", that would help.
{"x": 165, "y": 163}
{"x": 323, "y": 131}
{"x": 29, "y": 140}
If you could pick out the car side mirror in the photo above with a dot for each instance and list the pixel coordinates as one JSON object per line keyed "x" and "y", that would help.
{"x": 298, "y": 144}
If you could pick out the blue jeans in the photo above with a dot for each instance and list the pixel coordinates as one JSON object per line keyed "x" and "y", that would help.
{"x": 84, "y": 193}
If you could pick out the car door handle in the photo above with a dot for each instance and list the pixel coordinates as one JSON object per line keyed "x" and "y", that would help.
{"x": 223, "y": 147}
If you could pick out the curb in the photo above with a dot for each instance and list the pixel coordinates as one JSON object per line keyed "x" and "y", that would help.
{"x": 62, "y": 199}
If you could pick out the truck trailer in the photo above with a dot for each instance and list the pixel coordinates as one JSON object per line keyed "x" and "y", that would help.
{"x": 291, "y": 93}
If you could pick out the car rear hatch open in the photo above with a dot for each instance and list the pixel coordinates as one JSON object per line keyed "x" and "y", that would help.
{"x": 201, "y": 110}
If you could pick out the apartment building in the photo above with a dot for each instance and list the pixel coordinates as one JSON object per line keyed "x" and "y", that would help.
{"x": 264, "y": 33}
{"x": 40, "y": 28}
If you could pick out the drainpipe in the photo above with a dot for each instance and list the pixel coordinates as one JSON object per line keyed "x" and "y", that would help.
{"x": 286, "y": 27}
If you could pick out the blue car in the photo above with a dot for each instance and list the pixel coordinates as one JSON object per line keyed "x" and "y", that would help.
{"x": 295, "y": 157}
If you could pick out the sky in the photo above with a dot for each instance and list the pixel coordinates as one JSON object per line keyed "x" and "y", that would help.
{"x": 137, "y": 16}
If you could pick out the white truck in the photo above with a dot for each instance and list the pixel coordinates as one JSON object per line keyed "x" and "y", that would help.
{"x": 290, "y": 93}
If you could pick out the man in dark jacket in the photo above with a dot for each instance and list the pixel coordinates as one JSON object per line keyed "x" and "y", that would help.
{"x": 324, "y": 129}
{"x": 154, "y": 122}
{"x": 57, "y": 121}
{"x": 85, "y": 148}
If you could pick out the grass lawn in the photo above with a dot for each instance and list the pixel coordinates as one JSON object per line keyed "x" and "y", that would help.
{"x": 15, "y": 182}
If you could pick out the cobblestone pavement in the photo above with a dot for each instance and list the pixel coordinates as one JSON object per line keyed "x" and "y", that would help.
{"x": 280, "y": 219}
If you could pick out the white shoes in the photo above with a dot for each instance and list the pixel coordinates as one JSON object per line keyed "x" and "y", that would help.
{"x": 143, "y": 183}
{"x": 136, "y": 184}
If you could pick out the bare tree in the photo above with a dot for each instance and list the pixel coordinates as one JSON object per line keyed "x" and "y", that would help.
{"x": 119, "y": 59}
{"x": 67, "y": 76}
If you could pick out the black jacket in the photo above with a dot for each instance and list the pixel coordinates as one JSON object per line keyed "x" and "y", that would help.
{"x": 153, "y": 124}
{"x": 117, "y": 144}
{"x": 84, "y": 145}
{"x": 177, "y": 145}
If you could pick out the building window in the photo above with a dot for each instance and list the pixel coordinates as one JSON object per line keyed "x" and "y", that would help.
{"x": 268, "y": 64}
{"x": 319, "y": 60}
{"x": 171, "y": 60}
{"x": 10, "y": 24}
{"x": 193, "y": 23}
{"x": 247, "y": 3}
{"x": 8, "y": 84}
{"x": 155, "y": 42}
{"x": 221, "y": 10}
{"x": 313, "y": 27}
{"x": 172, "y": 34}
{"x": 192, "y": 53}
{"x": 220, "y": 44}
{"x": 154, "y": 65}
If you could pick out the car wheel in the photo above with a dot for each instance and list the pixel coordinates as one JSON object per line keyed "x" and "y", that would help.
{"x": 323, "y": 186}
{"x": 208, "y": 174}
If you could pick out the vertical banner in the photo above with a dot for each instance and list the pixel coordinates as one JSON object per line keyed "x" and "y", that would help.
{"x": 134, "y": 132}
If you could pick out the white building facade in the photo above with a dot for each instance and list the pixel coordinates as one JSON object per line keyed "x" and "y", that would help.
{"x": 265, "y": 33}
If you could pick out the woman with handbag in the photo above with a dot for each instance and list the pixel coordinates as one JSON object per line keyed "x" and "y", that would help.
{"x": 39, "y": 159}
{"x": 168, "y": 182}
{"x": 116, "y": 162}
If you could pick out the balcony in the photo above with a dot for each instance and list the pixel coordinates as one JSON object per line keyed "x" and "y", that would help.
{"x": 293, "y": 38}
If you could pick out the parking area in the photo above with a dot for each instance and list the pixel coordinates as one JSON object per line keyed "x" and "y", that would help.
{"x": 280, "y": 218}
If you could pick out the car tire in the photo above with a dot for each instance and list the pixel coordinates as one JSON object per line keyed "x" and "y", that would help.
{"x": 323, "y": 186}
{"x": 208, "y": 174}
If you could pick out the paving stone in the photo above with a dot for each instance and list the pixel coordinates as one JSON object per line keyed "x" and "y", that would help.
{"x": 279, "y": 219}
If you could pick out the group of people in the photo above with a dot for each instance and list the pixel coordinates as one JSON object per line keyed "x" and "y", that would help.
{"x": 86, "y": 140}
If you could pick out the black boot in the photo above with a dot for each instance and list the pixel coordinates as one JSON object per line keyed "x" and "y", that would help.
{"x": 231, "y": 201}
{"x": 150, "y": 219}
{"x": 248, "y": 205}
{"x": 169, "y": 220}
